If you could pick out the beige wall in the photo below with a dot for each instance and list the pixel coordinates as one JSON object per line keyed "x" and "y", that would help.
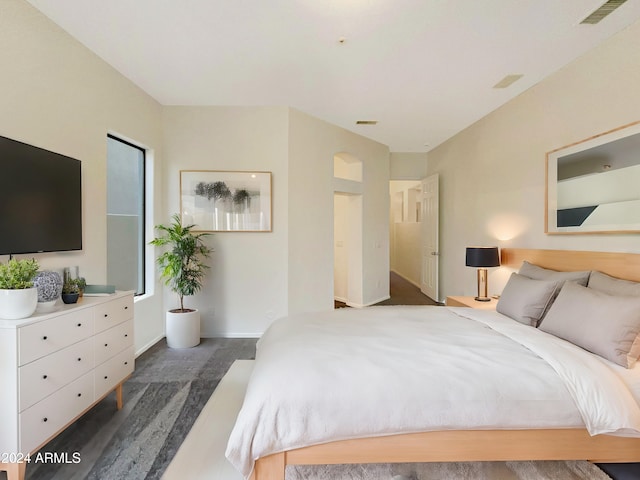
{"x": 312, "y": 146}
{"x": 57, "y": 95}
{"x": 407, "y": 166}
{"x": 257, "y": 277}
{"x": 247, "y": 285}
{"x": 492, "y": 174}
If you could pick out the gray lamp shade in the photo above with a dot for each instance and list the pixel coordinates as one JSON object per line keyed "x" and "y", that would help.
{"x": 482, "y": 257}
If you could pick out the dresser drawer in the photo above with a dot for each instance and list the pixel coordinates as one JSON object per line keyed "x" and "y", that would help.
{"x": 44, "y": 376}
{"x": 113, "y": 371}
{"x": 114, "y": 312}
{"x": 46, "y": 417}
{"x": 113, "y": 341}
{"x": 43, "y": 338}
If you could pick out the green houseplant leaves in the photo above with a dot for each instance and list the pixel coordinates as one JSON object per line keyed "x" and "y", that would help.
{"x": 182, "y": 265}
{"x": 18, "y": 274}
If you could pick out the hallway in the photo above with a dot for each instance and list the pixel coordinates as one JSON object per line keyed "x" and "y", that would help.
{"x": 402, "y": 293}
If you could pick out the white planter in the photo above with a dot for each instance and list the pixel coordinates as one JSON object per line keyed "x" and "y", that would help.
{"x": 16, "y": 304}
{"x": 183, "y": 329}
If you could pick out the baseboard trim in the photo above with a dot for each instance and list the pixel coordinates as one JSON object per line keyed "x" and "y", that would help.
{"x": 231, "y": 335}
{"x": 368, "y": 304}
{"x": 150, "y": 344}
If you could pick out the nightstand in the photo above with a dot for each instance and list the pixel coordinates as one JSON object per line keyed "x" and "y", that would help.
{"x": 470, "y": 302}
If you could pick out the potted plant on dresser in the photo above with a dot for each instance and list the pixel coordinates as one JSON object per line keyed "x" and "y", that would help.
{"x": 18, "y": 296}
{"x": 71, "y": 290}
{"x": 183, "y": 269}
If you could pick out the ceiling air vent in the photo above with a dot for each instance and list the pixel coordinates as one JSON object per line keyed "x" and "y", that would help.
{"x": 602, "y": 12}
{"x": 506, "y": 81}
{"x": 366, "y": 122}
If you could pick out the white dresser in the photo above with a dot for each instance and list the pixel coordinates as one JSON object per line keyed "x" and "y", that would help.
{"x": 54, "y": 366}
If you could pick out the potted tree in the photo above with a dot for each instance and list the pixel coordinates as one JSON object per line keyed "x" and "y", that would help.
{"x": 18, "y": 296}
{"x": 182, "y": 268}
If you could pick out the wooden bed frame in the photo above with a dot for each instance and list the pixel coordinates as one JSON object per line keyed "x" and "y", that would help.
{"x": 482, "y": 445}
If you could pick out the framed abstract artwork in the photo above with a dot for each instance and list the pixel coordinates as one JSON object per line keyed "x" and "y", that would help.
{"x": 593, "y": 186}
{"x": 224, "y": 201}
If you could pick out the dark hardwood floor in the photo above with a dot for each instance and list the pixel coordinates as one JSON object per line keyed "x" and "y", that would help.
{"x": 402, "y": 292}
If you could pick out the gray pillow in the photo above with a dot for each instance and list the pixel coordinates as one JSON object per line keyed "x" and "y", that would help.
{"x": 606, "y": 325}
{"x": 539, "y": 273}
{"x": 613, "y": 286}
{"x": 525, "y": 299}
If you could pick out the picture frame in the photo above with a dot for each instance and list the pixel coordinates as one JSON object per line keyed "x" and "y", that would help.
{"x": 226, "y": 201}
{"x": 592, "y": 185}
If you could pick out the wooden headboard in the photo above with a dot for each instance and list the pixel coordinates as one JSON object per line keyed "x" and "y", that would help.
{"x": 621, "y": 265}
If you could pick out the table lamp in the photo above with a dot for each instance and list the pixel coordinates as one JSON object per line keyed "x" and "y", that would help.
{"x": 482, "y": 257}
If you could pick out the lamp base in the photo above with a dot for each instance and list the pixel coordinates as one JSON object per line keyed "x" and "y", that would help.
{"x": 482, "y": 299}
{"x": 482, "y": 286}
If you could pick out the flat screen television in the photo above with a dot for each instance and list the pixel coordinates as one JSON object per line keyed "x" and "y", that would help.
{"x": 40, "y": 200}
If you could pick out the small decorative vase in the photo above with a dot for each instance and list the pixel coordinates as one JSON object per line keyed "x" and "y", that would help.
{"x": 49, "y": 285}
{"x": 70, "y": 297}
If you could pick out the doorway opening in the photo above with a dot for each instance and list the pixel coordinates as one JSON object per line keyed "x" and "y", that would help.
{"x": 413, "y": 232}
{"x": 347, "y": 256}
{"x": 347, "y": 231}
{"x": 405, "y": 230}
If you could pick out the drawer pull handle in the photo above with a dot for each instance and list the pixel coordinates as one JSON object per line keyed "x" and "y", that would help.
{"x": 106, "y": 344}
{"x": 126, "y": 308}
{"x": 105, "y": 377}
{"x": 44, "y": 377}
{"x": 45, "y": 419}
{"x": 106, "y": 315}
{"x": 126, "y": 363}
{"x": 79, "y": 324}
{"x": 44, "y": 338}
{"x": 79, "y": 394}
{"x": 79, "y": 359}
{"x": 126, "y": 335}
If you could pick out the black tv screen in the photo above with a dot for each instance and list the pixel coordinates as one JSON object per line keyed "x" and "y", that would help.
{"x": 40, "y": 200}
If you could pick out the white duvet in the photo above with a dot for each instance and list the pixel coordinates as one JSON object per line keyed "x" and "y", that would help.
{"x": 387, "y": 370}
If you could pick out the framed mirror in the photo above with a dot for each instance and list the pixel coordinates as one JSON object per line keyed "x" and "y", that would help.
{"x": 593, "y": 186}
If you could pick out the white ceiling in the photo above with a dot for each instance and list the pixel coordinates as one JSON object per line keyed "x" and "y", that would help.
{"x": 423, "y": 68}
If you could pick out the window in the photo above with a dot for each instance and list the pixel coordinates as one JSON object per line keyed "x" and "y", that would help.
{"x": 125, "y": 215}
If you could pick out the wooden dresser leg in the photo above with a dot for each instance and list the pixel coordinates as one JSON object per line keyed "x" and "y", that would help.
{"x": 15, "y": 471}
{"x": 119, "y": 396}
{"x": 270, "y": 468}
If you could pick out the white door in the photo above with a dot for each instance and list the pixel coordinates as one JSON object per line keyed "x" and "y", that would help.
{"x": 429, "y": 237}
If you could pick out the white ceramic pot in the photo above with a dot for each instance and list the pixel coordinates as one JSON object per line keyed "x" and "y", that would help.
{"x": 19, "y": 303}
{"x": 183, "y": 329}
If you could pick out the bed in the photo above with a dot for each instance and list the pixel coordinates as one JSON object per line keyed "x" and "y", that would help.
{"x": 467, "y": 419}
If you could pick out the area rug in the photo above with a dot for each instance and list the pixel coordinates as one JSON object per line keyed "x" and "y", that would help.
{"x": 549, "y": 470}
{"x": 162, "y": 400}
